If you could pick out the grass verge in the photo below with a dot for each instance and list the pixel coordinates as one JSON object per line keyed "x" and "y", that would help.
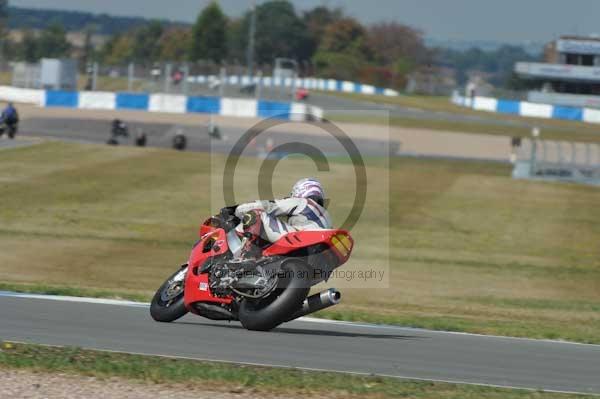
{"x": 587, "y": 134}
{"x": 73, "y": 291}
{"x": 552, "y": 129}
{"x": 221, "y": 376}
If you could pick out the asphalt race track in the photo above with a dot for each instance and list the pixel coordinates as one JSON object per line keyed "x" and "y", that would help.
{"x": 161, "y": 135}
{"x": 311, "y": 344}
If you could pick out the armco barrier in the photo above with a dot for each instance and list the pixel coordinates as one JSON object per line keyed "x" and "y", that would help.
{"x": 59, "y": 98}
{"x": 133, "y": 101}
{"x": 97, "y": 100}
{"x": 168, "y": 103}
{"x": 308, "y": 83}
{"x": 525, "y": 108}
{"x": 207, "y": 105}
{"x": 508, "y": 107}
{"x": 238, "y": 107}
{"x": 536, "y": 110}
{"x": 569, "y": 113}
{"x": 19, "y": 95}
{"x": 162, "y": 103}
{"x": 268, "y": 109}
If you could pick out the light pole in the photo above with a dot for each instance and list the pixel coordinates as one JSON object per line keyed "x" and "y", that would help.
{"x": 3, "y": 28}
{"x": 251, "y": 34}
{"x": 535, "y": 132}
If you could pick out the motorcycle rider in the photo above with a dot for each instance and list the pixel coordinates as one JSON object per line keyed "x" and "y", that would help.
{"x": 10, "y": 118}
{"x": 303, "y": 210}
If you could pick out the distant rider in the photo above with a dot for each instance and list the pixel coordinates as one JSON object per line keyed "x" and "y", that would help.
{"x": 10, "y": 118}
{"x": 271, "y": 220}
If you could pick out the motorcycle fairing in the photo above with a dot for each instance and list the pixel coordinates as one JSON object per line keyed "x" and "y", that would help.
{"x": 213, "y": 243}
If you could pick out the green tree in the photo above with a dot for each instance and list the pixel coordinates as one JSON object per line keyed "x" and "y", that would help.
{"x": 146, "y": 48}
{"x": 236, "y": 40}
{"x": 3, "y": 29}
{"x": 174, "y": 44}
{"x": 344, "y": 50}
{"x": 118, "y": 50}
{"x": 342, "y": 66}
{"x": 53, "y": 43}
{"x": 346, "y": 36}
{"x": 3, "y": 16}
{"x": 393, "y": 42}
{"x": 209, "y": 40}
{"x": 28, "y": 48}
{"x": 89, "y": 51}
{"x": 279, "y": 33}
{"x": 317, "y": 20}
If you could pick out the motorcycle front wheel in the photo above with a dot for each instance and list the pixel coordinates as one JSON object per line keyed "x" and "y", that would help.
{"x": 167, "y": 304}
{"x": 12, "y": 132}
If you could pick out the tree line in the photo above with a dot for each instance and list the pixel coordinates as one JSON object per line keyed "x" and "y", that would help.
{"x": 324, "y": 41}
{"x": 22, "y": 18}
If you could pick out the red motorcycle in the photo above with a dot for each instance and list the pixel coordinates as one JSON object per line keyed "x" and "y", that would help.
{"x": 262, "y": 287}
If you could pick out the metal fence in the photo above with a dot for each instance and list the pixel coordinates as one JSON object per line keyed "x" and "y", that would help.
{"x": 209, "y": 79}
{"x": 558, "y": 161}
{"x": 190, "y": 79}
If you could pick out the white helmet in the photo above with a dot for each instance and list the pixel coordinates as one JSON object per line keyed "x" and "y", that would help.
{"x": 308, "y": 187}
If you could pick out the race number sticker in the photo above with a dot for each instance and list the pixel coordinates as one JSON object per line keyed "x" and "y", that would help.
{"x": 203, "y": 286}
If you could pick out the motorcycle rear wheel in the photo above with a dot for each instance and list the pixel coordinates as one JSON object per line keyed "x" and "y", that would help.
{"x": 266, "y": 314}
{"x": 167, "y": 304}
{"x": 12, "y": 132}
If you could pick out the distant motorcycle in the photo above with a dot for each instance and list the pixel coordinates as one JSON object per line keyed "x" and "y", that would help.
{"x": 261, "y": 291}
{"x": 119, "y": 128}
{"x": 10, "y": 129}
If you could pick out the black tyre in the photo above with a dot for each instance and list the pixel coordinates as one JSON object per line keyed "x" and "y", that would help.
{"x": 12, "y": 132}
{"x": 167, "y": 304}
{"x": 266, "y": 314}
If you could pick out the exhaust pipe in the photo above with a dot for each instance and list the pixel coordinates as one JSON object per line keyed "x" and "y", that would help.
{"x": 317, "y": 302}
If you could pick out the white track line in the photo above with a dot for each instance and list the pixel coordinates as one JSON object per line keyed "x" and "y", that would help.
{"x": 61, "y": 298}
{"x": 119, "y": 302}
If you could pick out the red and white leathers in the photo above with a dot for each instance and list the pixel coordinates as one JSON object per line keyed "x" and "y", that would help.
{"x": 282, "y": 216}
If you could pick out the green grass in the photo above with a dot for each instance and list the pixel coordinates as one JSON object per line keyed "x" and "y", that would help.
{"x": 470, "y": 249}
{"x": 584, "y": 134}
{"x": 258, "y": 380}
{"x": 72, "y": 291}
{"x": 552, "y": 129}
{"x": 429, "y": 103}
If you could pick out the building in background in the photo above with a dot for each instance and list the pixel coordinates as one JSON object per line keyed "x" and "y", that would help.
{"x": 570, "y": 74}
{"x": 432, "y": 80}
{"x": 49, "y": 73}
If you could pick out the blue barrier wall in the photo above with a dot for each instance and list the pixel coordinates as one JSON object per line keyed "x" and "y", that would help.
{"x": 569, "y": 113}
{"x": 508, "y": 107}
{"x": 59, "y": 98}
{"x": 305, "y": 82}
{"x": 528, "y": 109}
{"x": 210, "y": 105}
{"x": 172, "y": 103}
{"x": 268, "y": 109}
{"x": 132, "y": 101}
